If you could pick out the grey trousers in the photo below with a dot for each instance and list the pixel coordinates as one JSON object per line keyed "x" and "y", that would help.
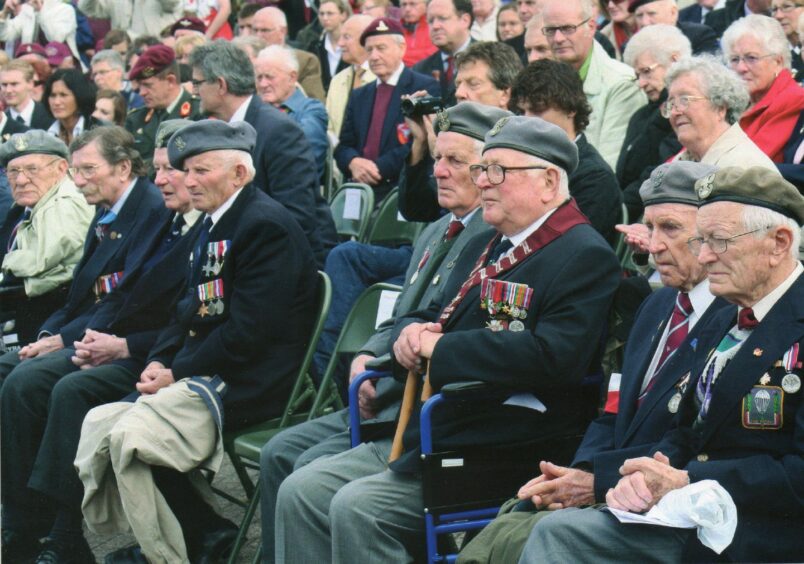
{"x": 287, "y": 452}
{"x": 593, "y": 535}
{"x": 350, "y": 508}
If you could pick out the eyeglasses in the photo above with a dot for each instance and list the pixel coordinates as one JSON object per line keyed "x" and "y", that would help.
{"x": 87, "y": 171}
{"x": 749, "y": 60}
{"x": 565, "y": 30}
{"x": 197, "y": 83}
{"x": 645, "y": 72}
{"x": 31, "y": 171}
{"x": 496, "y": 173}
{"x": 681, "y": 104}
{"x": 784, "y": 8}
{"x": 716, "y": 244}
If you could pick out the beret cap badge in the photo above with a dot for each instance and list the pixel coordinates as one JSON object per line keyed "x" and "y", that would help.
{"x": 498, "y": 126}
{"x": 658, "y": 178}
{"x": 705, "y": 186}
{"x": 443, "y": 120}
{"x": 180, "y": 143}
{"x": 382, "y": 26}
{"x": 20, "y": 143}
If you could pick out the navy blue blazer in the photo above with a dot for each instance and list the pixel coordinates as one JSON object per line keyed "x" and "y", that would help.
{"x": 120, "y": 251}
{"x": 434, "y": 66}
{"x": 287, "y": 171}
{"x": 794, "y": 173}
{"x": 257, "y": 342}
{"x": 40, "y": 118}
{"x": 761, "y": 468}
{"x": 691, "y": 13}
{"x": 358, "y": 117}
{"x": 613, "y": 438}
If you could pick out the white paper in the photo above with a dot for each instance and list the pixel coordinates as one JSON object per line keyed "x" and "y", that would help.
{"x": 526, "y": 400}
{"x": 400, "y": 218}
{"x": 385, "y": 308}
{"x": 352, "y": 203}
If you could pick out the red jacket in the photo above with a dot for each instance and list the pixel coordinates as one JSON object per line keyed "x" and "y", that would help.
{"x": 770, "y": 121}
{"x": 418, "y": 42}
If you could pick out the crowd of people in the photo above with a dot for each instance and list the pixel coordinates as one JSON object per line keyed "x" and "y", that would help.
{"x": 608, "y": 189}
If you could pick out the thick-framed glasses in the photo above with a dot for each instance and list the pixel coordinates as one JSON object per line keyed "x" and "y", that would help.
{"x": 749, "y": 60}
{"x": 30, "y": 171}
{"x": 565, "y": 30}
{"x": 197, "y": 82}
{"x": 716, "y": 244}
{"x": 87, "y": 171}
{"x": 645, "y": 72}
{"x": 496, "y": 173}
{"x": 681, "y": 104}
{"x": 784, "y": 8}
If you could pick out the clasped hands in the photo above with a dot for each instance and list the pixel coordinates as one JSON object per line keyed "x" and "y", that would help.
{"x": 416, "y": 342}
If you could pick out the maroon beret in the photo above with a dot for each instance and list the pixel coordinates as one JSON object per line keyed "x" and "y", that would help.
{"x": 188, "y": 23}
{"x": 381, "y": 26}
{"x": 634, "y": 4}
{"x": 30, "y": 48}
{"x": 154, "y": 60}
{"x": 56, "y": 53}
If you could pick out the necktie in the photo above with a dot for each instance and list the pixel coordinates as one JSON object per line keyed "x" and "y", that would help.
{"x": 678, "y": 329}
{"x": 200, "y": 243}
{"x": 12, "y": 239}
{"x": 502, "y": 247}
{"x": 382, "y": 98}
{"x": 454, "y": 228}
{"x": 450, "y": 71}
{"x": 746, "y": 319}
{"x": 168, "y": 240}
{"x": 728, "y": 347}
{"x": 20, "y": 119}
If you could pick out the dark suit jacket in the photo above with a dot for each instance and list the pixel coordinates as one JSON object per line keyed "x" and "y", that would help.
{"x": 634, "y": 431}
{"x": 286, "y": 171}
{"x": 723, "y": 17}
{"x": 595, "y": 188}
{"x": 550, "y": 358}
{"x": 433, "y": 66}
{"x": 41, "y": 117}
{"x": 702, "y": 37}
{"x": 143, "y": 213}
{"x": 358, "y": 118}
{"x": 323, "y": 59}
{"x": 418, "y": 193}
{"x": 691, "y": 13}
{"x": 257, "y": 343}
{"x": 762, "y": 469}
{"x": 794, "y": 173}
{"x": 11, "y": 127}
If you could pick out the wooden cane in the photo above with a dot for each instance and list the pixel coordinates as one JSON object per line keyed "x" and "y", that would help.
{"x": 408, "y": 402}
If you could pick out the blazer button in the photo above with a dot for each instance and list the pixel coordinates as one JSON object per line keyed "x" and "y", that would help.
{"x": 703, "y": 457}
{"x": 191, "y": 333}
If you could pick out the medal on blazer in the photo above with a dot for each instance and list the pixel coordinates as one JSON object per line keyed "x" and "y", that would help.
{"x": 675, "y": 400}
{"x": 216, "y": 253}
{"x": 106, "y": 283}
{"x": 791, "y": 383}
{"x": 762, "y": 408}
{"x": 422, "y": 262}
{"x": 505, "y": 303}
{"x": 211, "y": 296}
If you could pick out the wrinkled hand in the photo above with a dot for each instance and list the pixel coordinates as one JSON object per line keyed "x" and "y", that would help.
{"x": 365, "y": 171}
{"x": 559, "y": 487}
{"x": 645, "y": 482}
{"x": 154, "y": 378}
{"x": 358, "y": 365}
{"x": 41, "y": 347}
{"x": 637, "y": 236}
{"x": 428, "y": 339}
{"x": 98, "y": 348}
{"x": 367, "y": 394}
{"x": 409, "y": 348}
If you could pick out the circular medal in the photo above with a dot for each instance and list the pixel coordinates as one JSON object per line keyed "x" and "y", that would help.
{"x": 791, "y": 383}
{"x": 675, "y": 401}
{"x": 514, "y": 311}
{"x": 523, "y": 313}
{"x": 516, "y": 325}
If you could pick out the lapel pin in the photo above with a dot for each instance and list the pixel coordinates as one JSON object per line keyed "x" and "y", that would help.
{"x": 758, "y": 351}
{"x": 765, "y": 380}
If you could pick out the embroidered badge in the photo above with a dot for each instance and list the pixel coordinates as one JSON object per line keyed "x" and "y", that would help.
{"x": 442, "y": 118}
{"x": 498, "y": 126}
{"x": 20, "y": 143}
{"x": 705, "y": 186}
{"x": 180, "y": 143}
{"x": 762, "y": 408}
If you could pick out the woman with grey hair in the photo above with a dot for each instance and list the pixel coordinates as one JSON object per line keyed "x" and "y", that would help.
{"x": 756, "y": 48}
{"x": 704, "y": 103}
{"x": 649, "y": 139}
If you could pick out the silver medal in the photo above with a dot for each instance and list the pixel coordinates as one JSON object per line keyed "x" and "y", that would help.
{"x": 516, "y": 325}
{"x": 675, "y": 401}
{"x": 791, "y": 383}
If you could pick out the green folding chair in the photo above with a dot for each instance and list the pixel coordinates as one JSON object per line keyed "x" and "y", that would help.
{"x": 387, "y": 229}
{"x": 351, "y": 208}
{"x": 621, "y": 248}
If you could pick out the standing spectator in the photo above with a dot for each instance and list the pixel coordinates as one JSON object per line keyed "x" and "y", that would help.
{"x": 332, "y": 14}
{"x": 508, "y": 23}
{"x": 108, "y": 72}
{"x": 214, "y": 14}
{"x": 484, "y": 26}
{"x": 110, "y": 106}
{"x": 71, "y": 100}
{"x": 416, "y": 31}
{"x": 16, "y": 87}
{"x": 146, "y": 17}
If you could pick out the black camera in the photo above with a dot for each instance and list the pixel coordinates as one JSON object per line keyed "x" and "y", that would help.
{"x": 421, "y": 106}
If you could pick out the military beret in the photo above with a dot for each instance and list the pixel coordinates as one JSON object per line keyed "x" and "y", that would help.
{"x": 674, "y": 183}
{"x": 56, "y": 53}
{"x": 188, "y": 23}
{"x": 209, "y": 135}
{"x": 168, "y": 128}
{"x": 30, "y": 48}
{"x": 153, "y": 60}
{"x": 469, "y": 118}
{"x": 754, "y": 186}
{"x": 33, "y": 142}
{"x": 634, "y": 4}
{"x": 536, "y": 137}
{"x": 381, "y": 26}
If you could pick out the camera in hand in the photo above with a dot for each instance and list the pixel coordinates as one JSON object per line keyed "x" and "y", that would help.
{"x": 421, "y": 106}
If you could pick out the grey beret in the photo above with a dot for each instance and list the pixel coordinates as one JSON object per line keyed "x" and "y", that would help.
{"x": 469, "y": 118}
{"x": 536, "y": 137}
{"x": 754, "y": 186}
{"x": 33, "y": 142}
{"x": 209, "y": 135}
{"x": 168, "y": 128}
{"x": 674, "y": 183}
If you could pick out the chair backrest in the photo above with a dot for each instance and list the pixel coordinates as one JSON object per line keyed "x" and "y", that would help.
{"x": 360, "y": 324}
{"x": 351, "y": 208}
{"x": 388, "y": 229}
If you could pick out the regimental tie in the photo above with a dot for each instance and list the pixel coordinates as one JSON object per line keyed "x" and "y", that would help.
{"x": 502, "y": 247}
{"x": 450, "y": 68}
{"x": 453, "y": 229}
{"x": 12, "y": 238}
{"x": 725, "y": 351}
{"x": 678, "y": 330}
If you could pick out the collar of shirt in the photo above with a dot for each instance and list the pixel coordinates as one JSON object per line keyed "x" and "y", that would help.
{"x": 465, "y": 219}
{"x": 525, "y": 233}
{"x": 763, "y": 306}
{"x": 26, "y": 113}
{"x": 3, "y": 120}
{"x": 700, "y": 298}
{"x": 78, "y": 128}
{"x": 444, "y": 54}
{"x": 240, "y": 114}
{"x": 331, "y": 49}
{"x": 394, "y": 77}
{"x": 295, "y": 101}
{"x": 115, "y": 209}
{"x": 189, "y": 220}
{"x": 218, "y": 213}
{"x": 175, "y": 102}
{"x": 584, "y": 70}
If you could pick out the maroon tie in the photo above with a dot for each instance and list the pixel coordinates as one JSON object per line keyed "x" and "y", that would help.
{"x": 746, "y": 319}
{"x": 450, "y": 68}
{"x": 677, "y": 332}
{"x": 382, "y": 99}
{"x": 454, "y": 228}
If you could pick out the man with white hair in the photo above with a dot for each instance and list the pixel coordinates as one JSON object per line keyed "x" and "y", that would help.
{"x": 277, "y": 71}
{"x": 271, "y": 24}
{"x": 650, "y": 12}
{"x": 108, "y": 70}
{"x": 741, "y": 423}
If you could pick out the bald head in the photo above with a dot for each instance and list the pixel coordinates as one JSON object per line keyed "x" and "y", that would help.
{"x": 351, "y": 51}
{"x": 271, "y": 25}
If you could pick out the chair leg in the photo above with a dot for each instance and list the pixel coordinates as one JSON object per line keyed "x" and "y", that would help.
{"x": 253, "y": 503}
{"x": 257, "y": 555}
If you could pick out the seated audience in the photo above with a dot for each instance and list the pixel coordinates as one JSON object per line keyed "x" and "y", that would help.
{"x": 416, "y": 31}
{"x": 651, "y": 12}
{"x": 508, "y": 23}
{"x": 110, "y": 106}
{"x": 621, "y": 26}
{"x": 788, "y": 14}
{"x": 484, "y": 16}
{"x": 71, "y": 100}
{"x": 17, "y": 83}
{"x": 108, "y": 71}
